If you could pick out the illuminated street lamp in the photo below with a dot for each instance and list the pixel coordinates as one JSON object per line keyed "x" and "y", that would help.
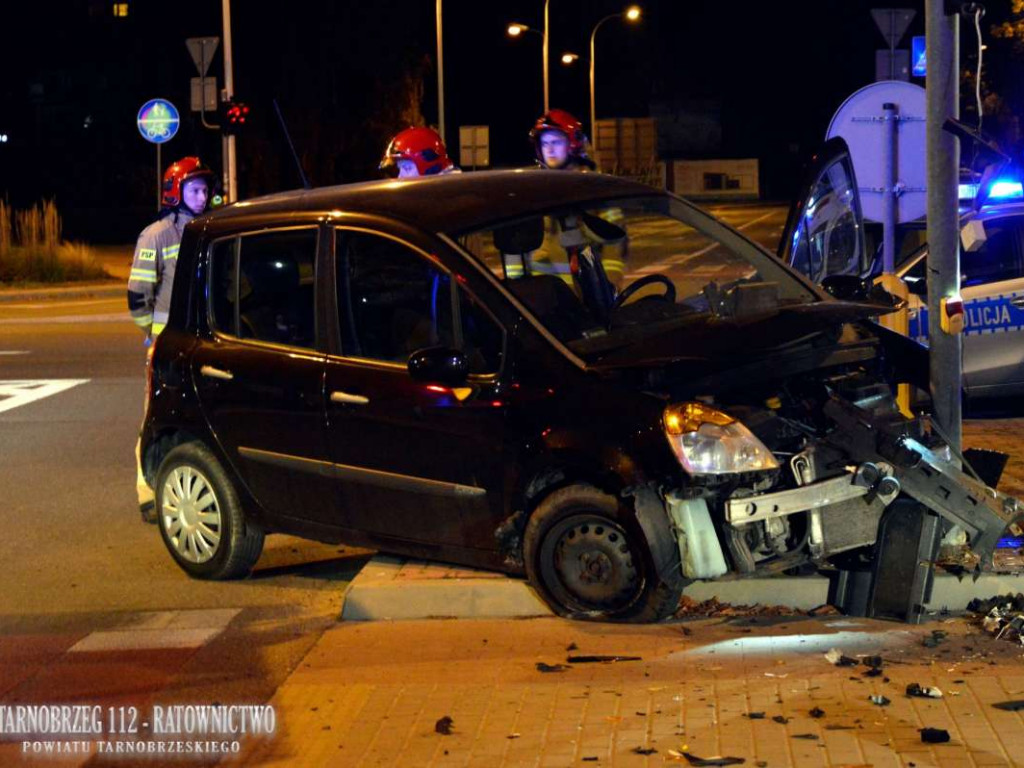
{"x": 569, "y": 58}
{"x": 632, "y": 13}
{"x": 516, "y": 29}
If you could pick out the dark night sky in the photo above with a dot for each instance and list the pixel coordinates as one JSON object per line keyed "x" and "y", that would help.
{"x": 778, "y": 70}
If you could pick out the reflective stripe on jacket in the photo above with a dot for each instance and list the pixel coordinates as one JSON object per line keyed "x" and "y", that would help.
{"x": 152, "y": 275}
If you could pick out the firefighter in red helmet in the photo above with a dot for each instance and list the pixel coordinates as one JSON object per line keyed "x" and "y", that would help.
{"x": 187, "y": 187}
{"x": 559, "y": 142}
{"x": 416, "y": 152}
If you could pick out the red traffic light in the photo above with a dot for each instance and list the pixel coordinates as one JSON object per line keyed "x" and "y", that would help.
{"x": 236, "y": 115}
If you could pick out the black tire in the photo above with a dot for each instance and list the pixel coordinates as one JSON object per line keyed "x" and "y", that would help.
{"x": 204, "y": 549}
{"x": 588, "y": 558}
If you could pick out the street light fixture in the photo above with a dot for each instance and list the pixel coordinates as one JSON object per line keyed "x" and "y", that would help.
{"x": 632, "y": 13}
{"x": 569, "y": 58}
{"x": 516, "y": 29}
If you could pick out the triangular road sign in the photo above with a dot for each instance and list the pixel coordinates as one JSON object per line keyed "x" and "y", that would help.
{"x": 893, "y": 23}
{"x": 202, "y": 50}
{"x": 23, "y": 392}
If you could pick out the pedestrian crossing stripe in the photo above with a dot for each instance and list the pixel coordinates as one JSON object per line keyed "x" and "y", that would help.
{"x": 16, "y": 393}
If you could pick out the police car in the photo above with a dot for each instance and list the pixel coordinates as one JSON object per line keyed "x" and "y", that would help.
{"x": 825, "y": 238}
{"x": 992, "y": 287}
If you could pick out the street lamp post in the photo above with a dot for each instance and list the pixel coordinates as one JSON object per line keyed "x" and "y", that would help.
{"x": 515, "y": 29}
{"x": 546, "y": 38}
{"x": 632, "y": 14}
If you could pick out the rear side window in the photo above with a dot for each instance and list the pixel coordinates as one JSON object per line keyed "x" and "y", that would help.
{"x": 263, "y": 287}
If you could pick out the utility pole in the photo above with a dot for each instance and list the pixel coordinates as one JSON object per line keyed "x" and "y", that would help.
{"x": 546, "y": 30}
{"x": 943, "y": 56}
{"x": 440, "y": 73}
{"x": 228, "y": 142}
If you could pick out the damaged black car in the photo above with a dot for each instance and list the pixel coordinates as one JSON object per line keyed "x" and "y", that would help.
{"x": 571, "y": 377}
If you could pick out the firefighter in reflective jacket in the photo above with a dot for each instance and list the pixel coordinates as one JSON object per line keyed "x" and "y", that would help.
{"x": 186, "y": 191}
{"x": 559, "y": 143}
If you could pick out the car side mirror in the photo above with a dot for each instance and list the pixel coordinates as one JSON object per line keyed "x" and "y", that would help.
{"x": 847, "y": 287}
{"x": 439, "y": 365}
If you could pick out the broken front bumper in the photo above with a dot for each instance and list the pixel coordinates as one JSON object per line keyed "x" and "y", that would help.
{"x": 934, "y": 481}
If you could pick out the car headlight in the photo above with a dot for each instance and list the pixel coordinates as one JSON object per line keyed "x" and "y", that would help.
{"x": 709, "y": 442}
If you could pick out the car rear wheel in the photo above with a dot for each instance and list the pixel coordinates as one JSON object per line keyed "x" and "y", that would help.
{"x": 200, "y": 517}
{"x": 589, "y": 558}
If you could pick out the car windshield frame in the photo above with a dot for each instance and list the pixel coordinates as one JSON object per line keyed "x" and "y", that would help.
{"x": 664, "y": 204}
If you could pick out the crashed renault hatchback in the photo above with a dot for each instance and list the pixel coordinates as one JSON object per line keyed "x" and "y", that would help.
{"x": 570, "y": 377}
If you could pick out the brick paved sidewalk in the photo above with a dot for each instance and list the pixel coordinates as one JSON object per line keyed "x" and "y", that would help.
{"x": 371, "y": 694}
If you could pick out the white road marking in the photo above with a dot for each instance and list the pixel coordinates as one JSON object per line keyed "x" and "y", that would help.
{"x": 160, "y": 629}
{"x": 13, "y": 351}
{"x": 22, "y": 392}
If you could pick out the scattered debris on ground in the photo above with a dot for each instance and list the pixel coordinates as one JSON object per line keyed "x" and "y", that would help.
{"x": 935, "y": 639}
{"x": 780, "y": 719}
{"x": 706, "y": 761}
{"x": 879, "y": 700}
{"x": 930, "y": 692}
{"x": 838, "y": 659}
{"x": 644, "y": 751}
{"x": 934, "y": 735}
{"x": 806, "y": 736}
{"x": 713, "y": 608}
{"x": 444, "y": 726}
{"x": 1002, "y": 616}
{"x": 817, "y": 712}
{"x": 754, "y": 715}
{"x": 1010, "y": 706}
{"x": 542, "y": 667}
{"x": 600, "y": 659}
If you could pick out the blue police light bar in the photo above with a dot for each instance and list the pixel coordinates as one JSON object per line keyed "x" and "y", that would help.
{"x": 917, "y": 50}
{"x": 1006, "y": 190}
{"x": 967, "y": 191}
{"x": 1010, "y": 543}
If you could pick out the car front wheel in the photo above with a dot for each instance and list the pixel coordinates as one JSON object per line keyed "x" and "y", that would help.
{"x": 200, "y": 517}
{"x": 589, "y": 558}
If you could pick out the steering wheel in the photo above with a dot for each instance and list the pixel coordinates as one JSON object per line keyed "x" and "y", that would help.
{"x": 669, "y": 295}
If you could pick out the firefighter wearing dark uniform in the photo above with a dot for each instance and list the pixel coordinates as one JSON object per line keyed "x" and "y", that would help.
{"x": 186, "y": 191}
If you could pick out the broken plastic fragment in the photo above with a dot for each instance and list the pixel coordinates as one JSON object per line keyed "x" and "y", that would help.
{"x": 923, "y": 693}
{"x": 934, "y": 735}
{"x": 601, "y": 659}
{"x": 709, "y": 761}
{"x": 879, "y": 700}
{"x": 836, "y": 658}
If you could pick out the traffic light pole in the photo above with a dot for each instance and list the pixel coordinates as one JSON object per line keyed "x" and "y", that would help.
{"x": 943, "y": 57}
{"x": 228, "y": 142}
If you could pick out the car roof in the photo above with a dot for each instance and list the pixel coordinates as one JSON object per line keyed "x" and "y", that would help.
{"x": 451, "y": 203}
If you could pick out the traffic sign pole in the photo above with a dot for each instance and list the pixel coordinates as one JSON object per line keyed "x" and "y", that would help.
{"x": 945, "y": 362}
{"x": 159, "y": 171}
{"x": 229, "y": 93}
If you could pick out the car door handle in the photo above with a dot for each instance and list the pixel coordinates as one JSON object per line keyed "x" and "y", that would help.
{"x": 1018, "y": 302}
{"x": 216, "y": 373}
{"x": 345, "y": 397}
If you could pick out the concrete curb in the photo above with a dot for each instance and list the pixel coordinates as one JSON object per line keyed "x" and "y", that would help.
{"x": 393, "y": 588}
